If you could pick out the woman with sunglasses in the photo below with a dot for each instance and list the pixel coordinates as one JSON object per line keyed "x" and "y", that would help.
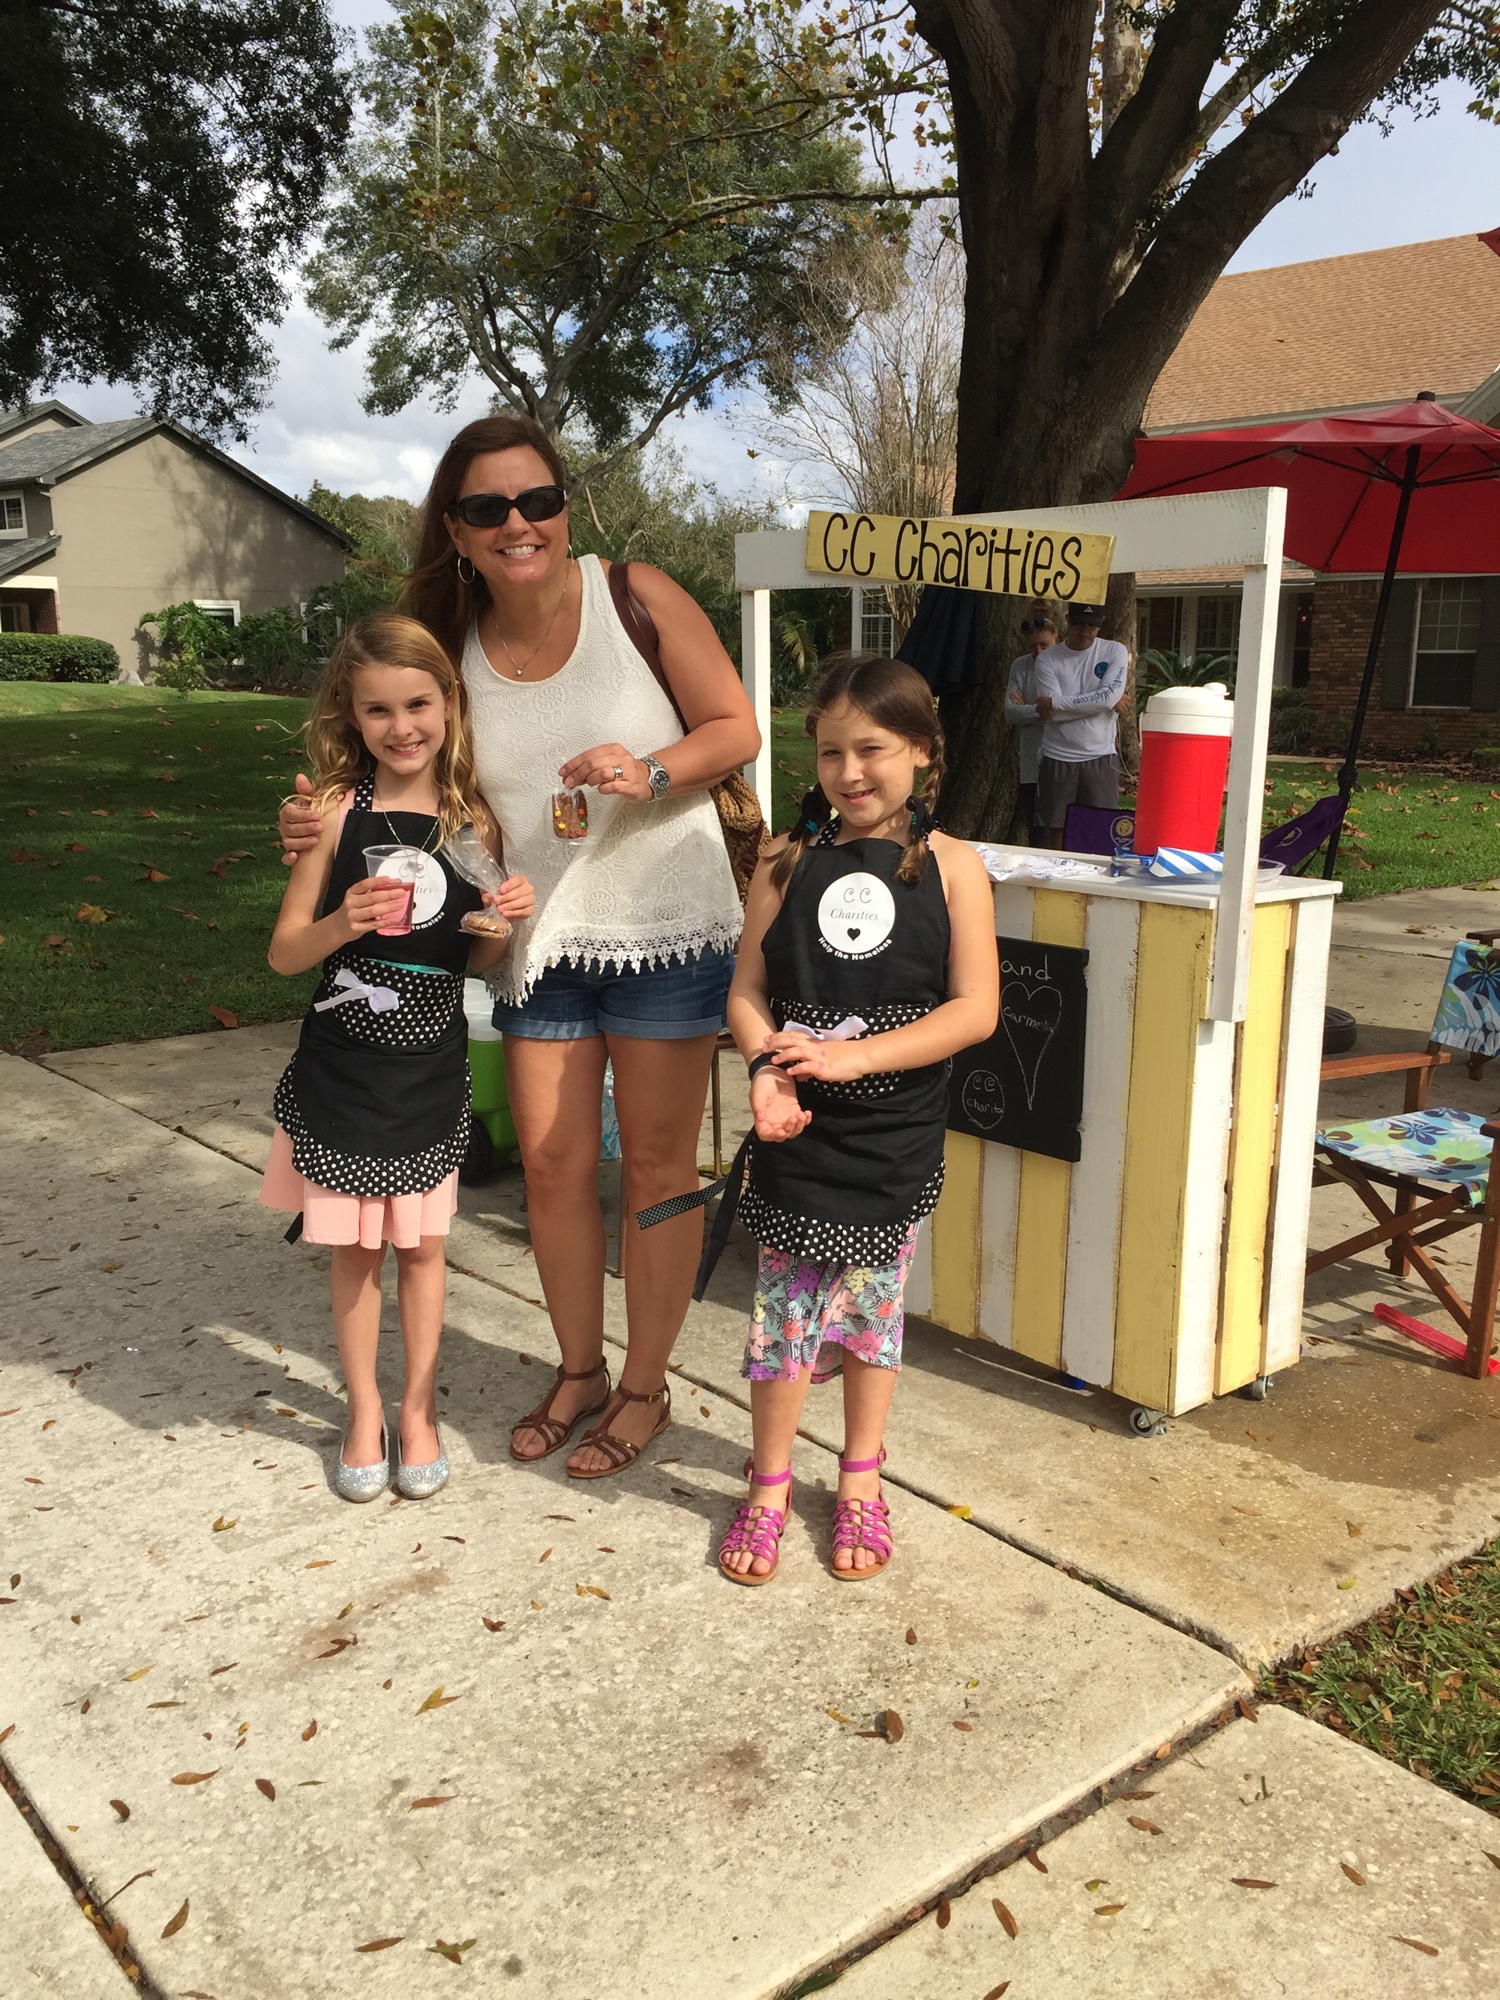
{"x": 630, "y": 952}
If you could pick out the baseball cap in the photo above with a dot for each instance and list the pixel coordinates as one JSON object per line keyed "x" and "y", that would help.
{"x": 1086, "y": 614}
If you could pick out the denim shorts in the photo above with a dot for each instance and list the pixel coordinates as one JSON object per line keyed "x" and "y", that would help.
{"x": 656, "y": 1003}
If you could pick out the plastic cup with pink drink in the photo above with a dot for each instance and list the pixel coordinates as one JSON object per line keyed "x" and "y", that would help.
{"x": 401, "y": 867}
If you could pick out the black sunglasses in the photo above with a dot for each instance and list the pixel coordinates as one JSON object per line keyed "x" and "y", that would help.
{"x": 1037, "y": 625}
{"x": 492, "y": 510}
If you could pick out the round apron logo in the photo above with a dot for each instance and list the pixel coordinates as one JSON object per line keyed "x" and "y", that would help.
{"x": 856, "y": 914}
{"x": 431, "y": 891}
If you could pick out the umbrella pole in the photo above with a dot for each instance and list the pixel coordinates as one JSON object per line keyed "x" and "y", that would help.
{"x": 1350, "y": 764}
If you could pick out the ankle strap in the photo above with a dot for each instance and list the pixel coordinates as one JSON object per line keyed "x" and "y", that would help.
{"x": 634, "y": 1395}
{"x": 770, "y": 1478}
{"x": 862, "y": 1464}
{"x": 581, "y": 1374}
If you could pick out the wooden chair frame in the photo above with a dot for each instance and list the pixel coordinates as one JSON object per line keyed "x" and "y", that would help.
{"x": 1418, "y": 1216}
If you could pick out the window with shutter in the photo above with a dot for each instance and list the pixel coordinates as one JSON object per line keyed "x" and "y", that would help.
{"x": 1446, "y": 641}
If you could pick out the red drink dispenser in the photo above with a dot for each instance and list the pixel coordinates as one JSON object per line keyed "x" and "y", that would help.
{"x": 1185, "y": 734}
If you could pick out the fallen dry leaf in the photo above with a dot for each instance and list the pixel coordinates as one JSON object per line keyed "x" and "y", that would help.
{"x": 1246, "y": 1708}
{"x": 453, "y": 1952}
{"x": 139, "y": 1674}
{"x": 326, "y": 1563}
{"x": 1007, "y": 1922}
{"x": 892, "y": 1727}
{"x": 1142, "y": 1825}
{"x": 1109, "y": 1909}
{"x": 1137, "y": 1795}
{"x": 1036, "y": 1861}
{"x": 944, "y": 1913}
{"x": 265, "y": 1786}
{"x": 90, "y": 913}
{"x": 174, "y": 1924}
{"x": 153, "y": 875}
{"x": 225, "y": 1016}
{"x": 1354, "y": 1875}
{"x": 1354, "y": 1532}
{"x": 544, "y": 1555}
{"x": 1098, "y": 1882}
{"x": 966, "y": 1727}
{"x": 1417, "y": 1945}
{"x": 378, "y": 1944}
{"x": 339, "y": 1646}
{"x": 195, "y": 1777}
{"x": 437, "y": 1699}
{"x": 911, "y": 1635}
{"x": 962, "y": 1513}
{"x": 836, "y": 1716}
{"x": 443, "y": 1799}
{"x": 121, "y": 1808}
{"x": 227, "y": 1666}
{"x": 491, "y": 1624}
{"x": 221, "y": 1526}
{"x": 1250, "y": 1882}
{"x": 595, "y": 1591}
{"x": 1347, "y": 1582}
{"x": 310, "y": 1732}
{"x": 996, "y": 1992}
{"x": 1164, "y": 1751}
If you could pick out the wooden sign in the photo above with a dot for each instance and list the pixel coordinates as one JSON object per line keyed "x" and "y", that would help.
{"x": 1012, "y": 561}
{"x": 1024, "y": 1086}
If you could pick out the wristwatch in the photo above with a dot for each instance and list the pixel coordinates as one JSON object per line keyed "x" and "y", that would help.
{"x": 658, "y": 777}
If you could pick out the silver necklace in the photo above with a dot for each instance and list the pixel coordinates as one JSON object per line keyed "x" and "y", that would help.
{"x": 519, "y": 670}
{"x": 396, "y": 840}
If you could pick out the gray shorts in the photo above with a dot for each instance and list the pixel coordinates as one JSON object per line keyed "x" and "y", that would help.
{"x": 1095, "y": 781}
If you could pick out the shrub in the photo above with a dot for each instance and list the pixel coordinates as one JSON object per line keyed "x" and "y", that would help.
{"x": 56, "y": 656}
{"x": 273, "y": 649}
{"x": 1486, "y": 756}
{"x": 188, "y": 643}
{"x": 1294, "y": 721}
{"x": 1158, "y": 670}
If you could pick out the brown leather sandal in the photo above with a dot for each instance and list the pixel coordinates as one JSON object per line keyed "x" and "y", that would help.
{"x": 620, "y": 1451}
{"x": 552, "y": 1430}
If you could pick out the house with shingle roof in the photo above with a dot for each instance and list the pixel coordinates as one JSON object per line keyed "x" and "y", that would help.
{"x": 103, "y": 523}
{"x": 1333, "y": 337}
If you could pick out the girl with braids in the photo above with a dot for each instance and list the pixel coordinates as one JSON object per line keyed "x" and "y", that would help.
{"x": 868, "y": 959}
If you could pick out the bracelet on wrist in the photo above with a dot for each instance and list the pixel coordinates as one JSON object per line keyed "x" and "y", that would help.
{"x": 758, "y": 1063}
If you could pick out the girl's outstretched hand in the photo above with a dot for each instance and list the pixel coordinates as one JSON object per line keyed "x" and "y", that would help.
{"x": 515, "y": 898}
{"x": 369, "y": 904}
{"x": 818, "y": 1062}
{"x": 774, "y": 1107}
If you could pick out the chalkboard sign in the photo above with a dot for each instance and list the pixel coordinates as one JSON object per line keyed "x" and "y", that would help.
{"x": 1024, "y": 1086}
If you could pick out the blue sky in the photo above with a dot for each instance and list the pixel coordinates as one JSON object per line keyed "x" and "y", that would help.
{"x": 1433, "y": 177}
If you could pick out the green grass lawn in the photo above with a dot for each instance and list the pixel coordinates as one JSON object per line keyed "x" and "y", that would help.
{"x": 156, "y": 812}
{"x": 1420, "y": 1682}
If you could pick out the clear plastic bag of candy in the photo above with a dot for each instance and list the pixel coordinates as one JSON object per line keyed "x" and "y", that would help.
{"x": 468, "y": 856}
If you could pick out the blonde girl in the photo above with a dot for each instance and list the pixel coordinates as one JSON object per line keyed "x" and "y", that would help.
{"x": 372, "y": 1112}
{"x": 868, "y": 959}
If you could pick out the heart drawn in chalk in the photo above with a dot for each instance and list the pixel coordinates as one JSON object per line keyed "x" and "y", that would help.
{"x": 1031, "y": 1015}
{"x": 853, "y": 932}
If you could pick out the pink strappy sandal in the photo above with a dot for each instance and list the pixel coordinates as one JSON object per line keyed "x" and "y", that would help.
{"x": 862, "y": 1524}
{"x": 757, "y": 1528}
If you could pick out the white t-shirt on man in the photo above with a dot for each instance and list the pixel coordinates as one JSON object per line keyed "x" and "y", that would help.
{"x": 1084, "y": 686}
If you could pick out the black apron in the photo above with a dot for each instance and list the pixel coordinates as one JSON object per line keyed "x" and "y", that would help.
{"x": 376, "y": 1098}
{"x": 850, "y": 939}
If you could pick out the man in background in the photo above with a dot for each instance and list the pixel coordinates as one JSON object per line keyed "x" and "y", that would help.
{"x": 1080, "y": 686}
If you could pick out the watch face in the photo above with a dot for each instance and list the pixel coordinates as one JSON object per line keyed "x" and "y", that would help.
{"x": 660, "y": 778}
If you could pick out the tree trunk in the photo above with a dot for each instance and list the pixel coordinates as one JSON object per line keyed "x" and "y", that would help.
{"x": 1080, "y": 279}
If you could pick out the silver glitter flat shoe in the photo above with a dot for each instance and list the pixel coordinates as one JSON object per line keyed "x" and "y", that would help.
{"x": 363, "y": 1482}
{"x": 420, "y": 1482}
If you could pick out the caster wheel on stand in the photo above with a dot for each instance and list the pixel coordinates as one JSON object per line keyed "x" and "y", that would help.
{"x": 1258, "y": 1390}
{"x": 1148, "y": 1423}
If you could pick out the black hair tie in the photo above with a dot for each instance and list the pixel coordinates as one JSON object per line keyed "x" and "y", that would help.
{"x": 813, "y": 814}
{"x": 922, "y": 822}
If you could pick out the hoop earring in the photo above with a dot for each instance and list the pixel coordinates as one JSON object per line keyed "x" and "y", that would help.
{"x": 460, "y": 567}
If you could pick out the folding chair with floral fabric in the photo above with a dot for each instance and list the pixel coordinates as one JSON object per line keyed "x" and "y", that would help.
{"x": 1436, "y": 1161}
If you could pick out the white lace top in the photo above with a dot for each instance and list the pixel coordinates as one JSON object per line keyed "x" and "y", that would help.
{"x": 651, "y": 883}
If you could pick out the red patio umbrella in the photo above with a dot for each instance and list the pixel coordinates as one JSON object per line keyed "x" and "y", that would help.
{"x": 1409, "y": 488}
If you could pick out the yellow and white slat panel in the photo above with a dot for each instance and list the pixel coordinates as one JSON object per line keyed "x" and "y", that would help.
{"x": 1307, "y": 986}
{"x": 1253, "y": 1153}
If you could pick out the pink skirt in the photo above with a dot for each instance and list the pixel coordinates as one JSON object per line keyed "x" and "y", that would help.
{"x": 329, "y": 1217}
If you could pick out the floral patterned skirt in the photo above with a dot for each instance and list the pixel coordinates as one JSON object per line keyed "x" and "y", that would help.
{"x": 803, "y": 1310}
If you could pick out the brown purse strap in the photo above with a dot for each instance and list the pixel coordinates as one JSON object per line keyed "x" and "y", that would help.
{"x": 640, "y": 629}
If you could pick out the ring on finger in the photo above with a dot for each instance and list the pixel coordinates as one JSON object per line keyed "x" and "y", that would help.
{"x": 619, "y": 772}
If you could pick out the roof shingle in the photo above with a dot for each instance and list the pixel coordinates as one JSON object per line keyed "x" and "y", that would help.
{"x": 45, "y": 454}
{"x": 1338, "y": 333}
